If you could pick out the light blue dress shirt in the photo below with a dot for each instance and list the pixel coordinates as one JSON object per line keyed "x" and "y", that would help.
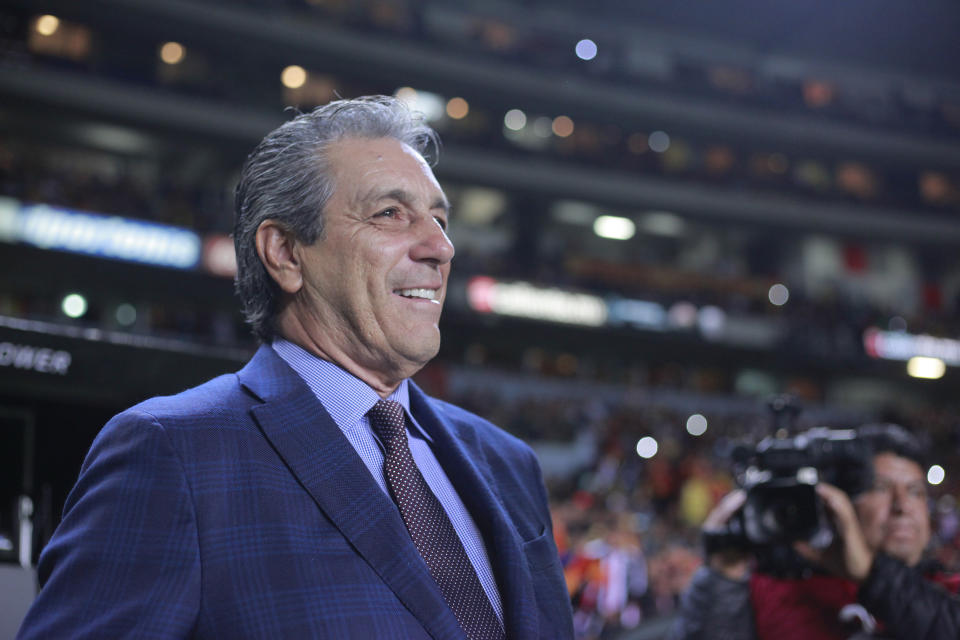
{"x": 348, "y": 399}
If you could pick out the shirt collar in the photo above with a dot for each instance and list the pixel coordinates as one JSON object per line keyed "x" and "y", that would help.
{"x": 345, "y": 397}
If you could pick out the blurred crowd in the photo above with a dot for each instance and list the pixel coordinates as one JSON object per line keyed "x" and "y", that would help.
{"x": 102, "y": 183}
{"x": 537, "y": 35}
{"x": 628, "y": 527}
{"x": 521, "y": 40}
{"x": 826, "y": 322}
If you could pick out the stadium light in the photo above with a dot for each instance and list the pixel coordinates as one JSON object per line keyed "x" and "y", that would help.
{"x": 696, "y": 425}
{"x": 47, "y": 25}
{"x": 294, "y": 77}
{"x": 457, "y": 108}
{"x": 515, "y": 119}
{"x": 647, "y": 447}
{"x": 926, "y": 368}
{"x": 614, "y": 227}
{"x": 172, "y": 52}
{"x": 659, "y": 141}
{"x": 936, "y": 474}
{"x": 74, "y": 305}
{"x": 562, "y": 126}
{"x": 126, "y": 314}
{"x": 586, "y": 49}
{"x": 778, "y": 295}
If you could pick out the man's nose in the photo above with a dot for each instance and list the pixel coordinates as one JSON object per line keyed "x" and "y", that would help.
{"x": 898, "y": 496}
{"x": 432, "y": 243}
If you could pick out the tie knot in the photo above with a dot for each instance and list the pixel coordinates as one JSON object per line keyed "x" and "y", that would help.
{"x": 389, "y": 421}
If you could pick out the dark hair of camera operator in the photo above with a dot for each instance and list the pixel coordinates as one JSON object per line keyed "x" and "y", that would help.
{"x": 869, "y": 583}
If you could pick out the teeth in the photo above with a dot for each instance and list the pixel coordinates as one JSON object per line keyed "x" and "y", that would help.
{"x": 428, "y": 294}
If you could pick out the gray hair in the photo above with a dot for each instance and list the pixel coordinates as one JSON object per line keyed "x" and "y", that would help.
{"x": 287, "y": 178}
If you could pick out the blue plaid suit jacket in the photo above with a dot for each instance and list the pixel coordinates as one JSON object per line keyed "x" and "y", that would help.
{"x": 238, "y": 509}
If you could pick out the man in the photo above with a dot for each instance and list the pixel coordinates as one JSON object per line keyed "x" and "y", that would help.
{"x": 316, "y": 493}
{"x": 876, "y": 584}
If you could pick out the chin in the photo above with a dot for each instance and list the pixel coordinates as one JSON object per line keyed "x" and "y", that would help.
{"x": 909, "y": 556}
{"x": 420, "y": 352}
{"x": 429, "y": 352}
{"x": 425, "y": 343}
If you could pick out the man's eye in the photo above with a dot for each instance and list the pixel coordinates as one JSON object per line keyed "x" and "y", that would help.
{"x": 441, "y": 222}
{"x": 388, "y": 213}
{"x": 917, "y": 491}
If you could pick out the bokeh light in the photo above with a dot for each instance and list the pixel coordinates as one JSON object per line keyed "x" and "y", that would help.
{"x": 172, "y": 52}
{"x": 637, "y": 143}
{"x": 614, "y": 227}
{"x": 515, "y": 119}
{"x": 294, "y": 77}
{"x": 126, "y": 314}
{"x": 936, "y": 474}
{"x": 696, "y": 425}
{"x": 74, "y": 305}
{"x": 647, "y": 447}
{"x": 926, "y": 368}
{"x": 542, "y": 127}
{"x": 659, "y": 141}
{"x": 562, "y": 126}
{"x": 778, "y": 295}
{"x": 586, "y": 49}
{"x": 457, "y": 108}
{"x": 47, "y": 25}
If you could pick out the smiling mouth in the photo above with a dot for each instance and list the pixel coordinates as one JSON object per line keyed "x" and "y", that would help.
{"x": 902, "y": 530}
{"x": 418, "y": 294}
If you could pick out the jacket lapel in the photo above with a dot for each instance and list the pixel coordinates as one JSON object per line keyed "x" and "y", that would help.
{"x": 468, "y": 471}
{"x": 328, "y": 467}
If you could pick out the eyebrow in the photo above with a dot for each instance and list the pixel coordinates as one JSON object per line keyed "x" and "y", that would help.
{"x": 893, "y": 481}
{"x": 404, "y": 196}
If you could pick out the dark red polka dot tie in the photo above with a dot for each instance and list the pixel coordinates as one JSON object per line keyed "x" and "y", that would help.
{"x": 430, "y": 528}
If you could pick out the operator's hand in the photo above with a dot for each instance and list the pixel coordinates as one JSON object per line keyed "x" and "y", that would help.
{"x": 731, "y": 563}
{"x": 848, "y": 556}
{"x": 720, "y": 515}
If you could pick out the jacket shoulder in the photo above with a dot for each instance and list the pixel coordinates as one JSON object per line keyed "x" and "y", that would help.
{"x": 217, "y": 397}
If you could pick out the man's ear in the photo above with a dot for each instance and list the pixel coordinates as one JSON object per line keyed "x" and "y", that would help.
{"x": 275, "y": 245}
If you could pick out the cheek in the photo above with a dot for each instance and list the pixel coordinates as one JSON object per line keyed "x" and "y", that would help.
{"x": 920, "y": 510}
{"x": 871, "y": 511}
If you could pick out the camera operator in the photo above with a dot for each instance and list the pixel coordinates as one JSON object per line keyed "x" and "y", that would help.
{"x": 871, "y": 582}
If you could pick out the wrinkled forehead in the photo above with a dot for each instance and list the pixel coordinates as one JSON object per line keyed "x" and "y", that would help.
{"x": 365, "y": 161}
{"x": 351, "y": 150}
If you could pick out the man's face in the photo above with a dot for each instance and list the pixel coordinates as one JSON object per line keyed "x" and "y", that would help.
{"x": 374, "y": 284}
{"x": 893, "y": 513}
